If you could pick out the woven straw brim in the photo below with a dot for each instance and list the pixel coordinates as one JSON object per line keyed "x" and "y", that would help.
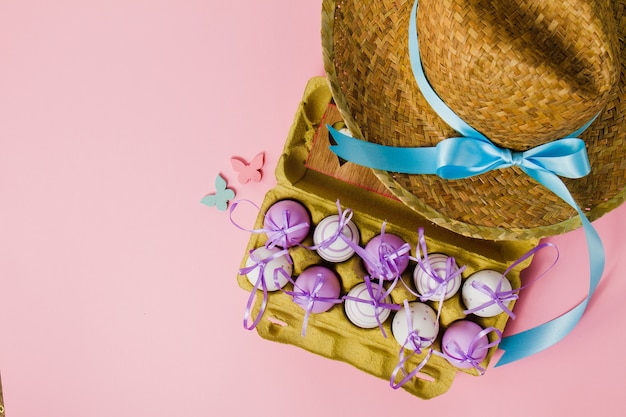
{"x": 368, "y": 68}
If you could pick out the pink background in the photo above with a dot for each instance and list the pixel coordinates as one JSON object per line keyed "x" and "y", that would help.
{"x": 117, "y": 288}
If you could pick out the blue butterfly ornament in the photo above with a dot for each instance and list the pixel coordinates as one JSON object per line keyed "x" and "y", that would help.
{"x": 221, "y": 197}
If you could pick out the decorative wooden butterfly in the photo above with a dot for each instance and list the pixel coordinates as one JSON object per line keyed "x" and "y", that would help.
{"x": 248, "y": 171}
{"x": 222, "y": 195}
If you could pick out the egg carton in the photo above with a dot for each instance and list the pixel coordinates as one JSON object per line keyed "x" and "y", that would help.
{"x": 309, "y": 173}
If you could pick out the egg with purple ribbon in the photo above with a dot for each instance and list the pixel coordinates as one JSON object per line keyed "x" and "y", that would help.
{"x": 384, "y": 250}
{"x": 423, "y": 322}
{"x": 428, "y": 274}
{"x": 287, "y": 223}
{"x": 317, "y": 281}
{"x": 268, "y": 261}
{"x": 330, "y": 246}
{"x": 463, "y": 346}
{"x": 363, "y": 313}
{"x": 478, "y": 289}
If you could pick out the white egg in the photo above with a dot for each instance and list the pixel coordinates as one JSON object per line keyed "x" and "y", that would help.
{"x": 261, "y": 255}
{"x": 425, "y": 283}
{"x": 423, "y": 320}
{"x": 339, "y": 250}
{"x": 473, "y": 298}
{"x": 363, "y": 314}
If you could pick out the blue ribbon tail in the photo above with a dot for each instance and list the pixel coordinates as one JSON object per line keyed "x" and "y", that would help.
{"x": 529, "y": 342}
{"x": 385, "y": 158}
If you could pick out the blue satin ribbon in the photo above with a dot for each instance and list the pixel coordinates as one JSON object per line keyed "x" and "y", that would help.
{"x": 463, "y": 157}
{"x": 473, "y": 154}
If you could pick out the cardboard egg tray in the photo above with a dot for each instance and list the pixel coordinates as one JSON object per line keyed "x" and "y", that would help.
{"x": 309, "y": 173}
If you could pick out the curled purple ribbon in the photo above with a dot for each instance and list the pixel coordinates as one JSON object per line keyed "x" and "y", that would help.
{"x": 385, "y": 265}
{"x": 503, "y": 298}
{"x": 344, "y": 217}
{"x": 497, "y": 296}
{"x": 415, "y": 340}
{"x": 275, "y": 233}
{"x": 309, "y": 297}
{"x": 260, "y": 282}
{"x": 376, "y": 300}
{"x": 450, "y": 272}
{"x": 468, "y": 356}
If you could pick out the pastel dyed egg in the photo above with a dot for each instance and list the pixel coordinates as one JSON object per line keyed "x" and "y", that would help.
{"x": 428, "y": 286}
{"x": 383, "y": 246}
{"x": 262, "y": 258}
{"x": 338, "y": 250}
{"x": 320, "y": 282}
{"x": 474, "y": 298}
{"x": 423, "y": 320}
{"x": 363, "y": 313}
{"x": 280, "y": 220}
{"x": 457, "y": 342}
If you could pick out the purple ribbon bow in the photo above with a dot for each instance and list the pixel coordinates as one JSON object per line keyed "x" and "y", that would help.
{"x": 260, "y": 282}
{"x": 469, "y": 356}
{"x": 275, "y": 233}
{"x": 344, "y": 217}
{"x": 309, "y": 297}
{"x": 377, "y": 300}
{"x": 416, "y": 341}
{"x": 385, "y": 265}
{"x": 450, "y": 272}
{"x": 503, "y": 298}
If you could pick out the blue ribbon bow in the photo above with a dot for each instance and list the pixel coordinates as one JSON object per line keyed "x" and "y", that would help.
{"x": 473, "y": 154}
{"x": 463, "y": 157}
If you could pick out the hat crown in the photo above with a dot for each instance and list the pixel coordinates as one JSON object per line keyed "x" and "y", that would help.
{"x": 523, "y": 73}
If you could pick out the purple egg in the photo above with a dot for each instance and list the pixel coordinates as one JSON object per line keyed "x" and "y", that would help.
{"x": 457, "y": 340}
{"x": 390, "y": 243}
{"x": 309, "y": 279}
{"x": 280, "y": 220}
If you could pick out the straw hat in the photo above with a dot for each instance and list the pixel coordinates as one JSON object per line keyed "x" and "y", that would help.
{"x": 521, "y": 72}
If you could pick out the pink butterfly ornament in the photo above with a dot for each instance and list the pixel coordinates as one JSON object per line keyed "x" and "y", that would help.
{"x": 248, "y": 171}
{"x": 221, "y": 197}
